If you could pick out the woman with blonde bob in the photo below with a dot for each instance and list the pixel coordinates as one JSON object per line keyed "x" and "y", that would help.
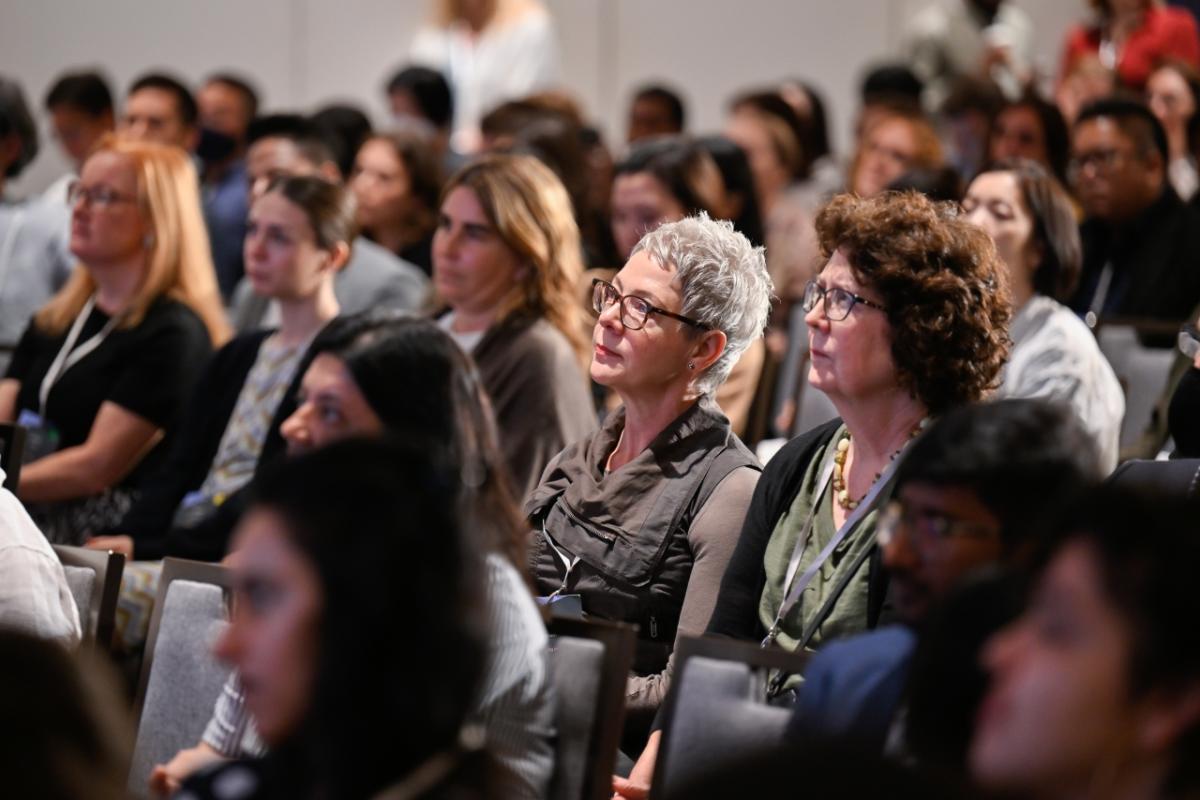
{"x": 103, "y": 369}
{"x": 507, "y": 263}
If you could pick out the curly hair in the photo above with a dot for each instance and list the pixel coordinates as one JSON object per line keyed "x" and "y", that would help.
{"x": 944, "y": 287}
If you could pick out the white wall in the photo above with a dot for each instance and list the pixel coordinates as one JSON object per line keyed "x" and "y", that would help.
{"x": 305, "y": 52}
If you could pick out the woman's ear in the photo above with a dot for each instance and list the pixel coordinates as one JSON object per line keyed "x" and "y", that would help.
{"x": 707, "y": 350}
{"x": 339, "y": 256}
{"x": 1168, "y": 715}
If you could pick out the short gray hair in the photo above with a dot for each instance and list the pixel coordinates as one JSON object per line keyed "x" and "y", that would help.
{"x": 723, "y": 280}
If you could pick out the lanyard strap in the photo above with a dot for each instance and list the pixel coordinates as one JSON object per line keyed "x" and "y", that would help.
{"x": 68, "y": 356}
{"x": 797, "y": 589}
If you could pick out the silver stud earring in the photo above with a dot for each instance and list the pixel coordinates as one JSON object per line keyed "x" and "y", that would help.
{"x": 691, "y": 365}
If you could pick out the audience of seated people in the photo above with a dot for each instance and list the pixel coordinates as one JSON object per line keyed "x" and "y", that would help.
{"x": 299, "y": 235}
{"x": 287, "y": 144}
{"x": 349, "y": 391}
{"x": 933, "y": 500}
{"x": 968, "y": 496}
{"x": 103, "y": 369}
{"x": 907, "y": 320}
{"x": 638, "y": 521}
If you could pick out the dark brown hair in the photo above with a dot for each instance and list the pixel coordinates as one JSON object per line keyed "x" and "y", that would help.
{"x": 420, "y": 158}
{"x": 943, "y": 286}
{"x": 329, "y": 207}
{"x": 1054, "y": 226}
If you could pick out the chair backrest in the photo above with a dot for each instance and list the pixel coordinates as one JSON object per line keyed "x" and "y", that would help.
{"x": 1178, "y": 478}
{"x": 716, "y": 711}
{"x": 1142, "y": 371}
{"x": 94, "y": 578}
{"x": 590, "y": 662}
{"x": 12, "y": 449}
{"x": 180, "y": 680}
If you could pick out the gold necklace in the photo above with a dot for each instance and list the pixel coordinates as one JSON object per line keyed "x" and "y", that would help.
{"x": 841, "y": 492}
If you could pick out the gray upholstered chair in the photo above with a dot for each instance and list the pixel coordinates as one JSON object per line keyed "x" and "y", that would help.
{"x": 716, "y": 712}
{"x": 1178, "y": 478}
{"x": 1143, "y": 373}
{"x": 180, "y": 679}
{"x": 94, "y": 578}
{"x": 589, "y": 662}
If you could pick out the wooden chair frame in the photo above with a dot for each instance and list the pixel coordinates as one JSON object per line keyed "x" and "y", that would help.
{"x": 109, "y": 567}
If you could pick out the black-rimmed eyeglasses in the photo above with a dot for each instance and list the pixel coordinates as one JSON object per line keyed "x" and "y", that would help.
{"x": 634, "y": 310}
{"x": 927, "y": 525}
{"x": 838, "y": 302}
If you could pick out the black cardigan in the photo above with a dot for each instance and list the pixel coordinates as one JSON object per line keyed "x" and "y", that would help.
{"x": 736, "y": 612}
{"x": 195, "y": 446}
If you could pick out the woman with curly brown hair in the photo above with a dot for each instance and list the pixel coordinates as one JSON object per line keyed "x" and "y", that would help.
{"x": 907, "y": 320}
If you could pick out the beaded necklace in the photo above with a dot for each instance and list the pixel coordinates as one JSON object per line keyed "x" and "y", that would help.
{"x": 841, "y": 492}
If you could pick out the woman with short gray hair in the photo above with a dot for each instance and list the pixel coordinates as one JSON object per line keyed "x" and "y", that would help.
{"x": 637, "y": 522}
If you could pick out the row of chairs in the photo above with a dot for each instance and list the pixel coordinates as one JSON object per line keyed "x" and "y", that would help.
{"x": 180, "y": 681}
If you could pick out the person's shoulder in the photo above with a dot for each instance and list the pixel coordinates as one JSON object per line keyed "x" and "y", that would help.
{"x": 244, "y": 345}
{"x": 169, "y": 314}
{"x": 369, "y": 257}
{"x": 799, "y": 451}
{"x": 1171, "y": 18}
{"x": 374, "y": 270}
{"x": 1065, "y": 326}
{"x": 535, "y": 337}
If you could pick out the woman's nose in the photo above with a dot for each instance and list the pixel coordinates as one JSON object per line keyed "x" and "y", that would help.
{"x": 293, "y": 429}
{"x": 227, "y": 647}
{"x": 611, "y": 316}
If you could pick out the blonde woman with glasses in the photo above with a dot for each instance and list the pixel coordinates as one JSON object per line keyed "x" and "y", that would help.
{"x": 102, "y": 371}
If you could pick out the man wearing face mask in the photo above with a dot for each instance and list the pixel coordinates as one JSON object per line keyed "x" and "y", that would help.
{"x": 226, "y": 104}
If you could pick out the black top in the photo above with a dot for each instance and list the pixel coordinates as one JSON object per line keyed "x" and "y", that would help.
{"x": 149, "y": 370}
{"x": 736, "y": 612}
{"x": 1154, "y": 260}
{"x": 420, "y": 254}
{"x": 192, "y": 453}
